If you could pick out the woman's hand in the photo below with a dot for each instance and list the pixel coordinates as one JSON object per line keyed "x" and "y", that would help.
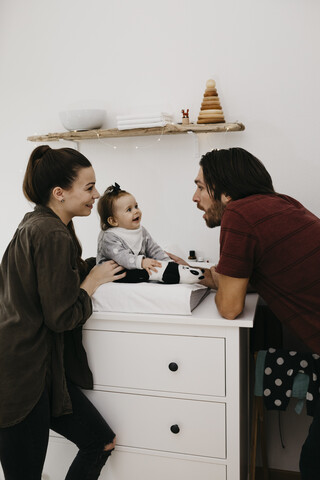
{"x": 103, "y": 273}
{"x": 177, "y": 259}
{"x": 150, "y": 265}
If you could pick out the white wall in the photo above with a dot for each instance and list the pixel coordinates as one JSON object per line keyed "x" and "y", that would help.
{"x": 142, "y": 55}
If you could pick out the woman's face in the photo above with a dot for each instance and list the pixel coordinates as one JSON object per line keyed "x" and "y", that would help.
{"x": 79, "y": 199}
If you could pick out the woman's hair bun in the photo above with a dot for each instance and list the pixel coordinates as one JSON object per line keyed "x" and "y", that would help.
{"x": 49, "y": 168}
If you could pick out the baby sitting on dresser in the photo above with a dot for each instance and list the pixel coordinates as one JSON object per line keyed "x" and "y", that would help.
{"x": 124, "y": 240}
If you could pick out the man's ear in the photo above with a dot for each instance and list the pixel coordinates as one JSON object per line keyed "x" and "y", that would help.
{"x": 112, "y": 222}
{"x": 57, "y": 194}
{"x": 225, "y": 198}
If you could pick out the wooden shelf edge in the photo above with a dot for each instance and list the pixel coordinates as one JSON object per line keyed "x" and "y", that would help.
{"x": 170, "y": 129}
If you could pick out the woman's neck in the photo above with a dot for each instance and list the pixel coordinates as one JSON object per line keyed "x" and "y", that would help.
{"x": 57, "y": 208}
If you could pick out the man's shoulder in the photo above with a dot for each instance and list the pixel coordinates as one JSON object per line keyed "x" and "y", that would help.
{"x": 263, "y": 204}
{"x": 258, "y": 209}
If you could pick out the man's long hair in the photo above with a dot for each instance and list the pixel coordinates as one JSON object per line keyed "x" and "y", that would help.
{"x": 235, "y": 173}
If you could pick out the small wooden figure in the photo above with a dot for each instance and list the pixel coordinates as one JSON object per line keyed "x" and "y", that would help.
{"x": 185, "y": 117}
{"x": 211, "y": 110}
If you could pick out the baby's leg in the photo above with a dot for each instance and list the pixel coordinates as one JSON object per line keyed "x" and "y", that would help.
{"x": 136, "y": 275}
{"x": 171, "y": 272}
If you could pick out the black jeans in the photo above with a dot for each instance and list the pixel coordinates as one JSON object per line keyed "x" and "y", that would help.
{"x": 23, "y": 446}
{"x": 310, "y": 453}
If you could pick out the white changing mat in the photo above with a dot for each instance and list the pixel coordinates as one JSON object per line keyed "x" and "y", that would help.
{"x": 148, "y": 297}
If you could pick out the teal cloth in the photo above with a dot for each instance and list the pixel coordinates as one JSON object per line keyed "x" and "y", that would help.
{"x": 299, "y": 387}
{"x": 258, "y": 386}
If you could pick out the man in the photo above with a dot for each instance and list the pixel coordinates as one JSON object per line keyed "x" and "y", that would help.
{"x": 271, "y": 241}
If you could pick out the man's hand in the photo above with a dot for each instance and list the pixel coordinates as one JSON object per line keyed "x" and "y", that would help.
{"x": 211, "y": 278}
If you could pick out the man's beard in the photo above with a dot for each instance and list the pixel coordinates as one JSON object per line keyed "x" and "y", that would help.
{"x": 214, "y": 214}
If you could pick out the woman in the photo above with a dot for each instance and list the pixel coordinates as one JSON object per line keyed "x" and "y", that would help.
{"x": 45, "y": 290}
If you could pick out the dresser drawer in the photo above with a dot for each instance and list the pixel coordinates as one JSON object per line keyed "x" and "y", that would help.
{"x": 166, "y": 424}
{"x": 131, "y": 465}
{"x": 194, "y": 365}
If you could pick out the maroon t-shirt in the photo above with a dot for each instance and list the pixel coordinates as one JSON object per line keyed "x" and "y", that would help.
{"x": 275, "y": 241}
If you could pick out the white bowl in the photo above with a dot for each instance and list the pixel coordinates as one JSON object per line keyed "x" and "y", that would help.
{"x": 82, "y": 119}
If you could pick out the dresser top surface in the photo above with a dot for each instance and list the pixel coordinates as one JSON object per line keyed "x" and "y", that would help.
{"x": 205, "y": 313}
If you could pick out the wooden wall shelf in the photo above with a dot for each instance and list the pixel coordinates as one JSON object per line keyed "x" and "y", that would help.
{"x": 170, "y": 129}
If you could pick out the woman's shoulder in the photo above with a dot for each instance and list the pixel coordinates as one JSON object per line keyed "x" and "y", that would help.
{"x": 43, "y": 223}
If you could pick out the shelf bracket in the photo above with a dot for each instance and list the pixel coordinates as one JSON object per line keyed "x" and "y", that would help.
{"x": 196, "y": 151}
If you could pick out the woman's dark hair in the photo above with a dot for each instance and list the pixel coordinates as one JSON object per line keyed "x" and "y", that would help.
{"x": 235, "y": 173}
{"x": 49, "y": 168}
{"x": 106, "y": 202}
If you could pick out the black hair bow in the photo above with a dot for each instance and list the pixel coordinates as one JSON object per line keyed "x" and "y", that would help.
{"x": 113, "y": 188}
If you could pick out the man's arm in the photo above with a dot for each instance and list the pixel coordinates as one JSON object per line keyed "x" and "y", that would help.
{"x": 231, "y": 292}
{"x": 230, "y": 296}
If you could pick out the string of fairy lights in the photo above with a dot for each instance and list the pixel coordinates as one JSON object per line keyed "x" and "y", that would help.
{"x": 141, "y": 146}
{"x": 136, "y": 147}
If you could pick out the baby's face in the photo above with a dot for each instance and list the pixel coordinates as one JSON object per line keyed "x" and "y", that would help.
{"x": 126, "y": 213}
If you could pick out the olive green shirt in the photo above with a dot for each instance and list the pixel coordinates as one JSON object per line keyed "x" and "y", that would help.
{"x": 40, "y": 299}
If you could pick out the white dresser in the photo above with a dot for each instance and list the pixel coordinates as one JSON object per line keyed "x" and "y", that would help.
{"x": 175, "y": 391}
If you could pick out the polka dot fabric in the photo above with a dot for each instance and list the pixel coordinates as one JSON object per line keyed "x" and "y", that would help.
{"x": 280, "y": 369}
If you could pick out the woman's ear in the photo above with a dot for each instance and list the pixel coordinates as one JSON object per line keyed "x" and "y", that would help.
{"x": 112, "y": 222}
{"x": 57, "y": 194}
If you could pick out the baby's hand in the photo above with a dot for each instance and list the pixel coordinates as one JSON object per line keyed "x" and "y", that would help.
{"x": 150, "y": 265}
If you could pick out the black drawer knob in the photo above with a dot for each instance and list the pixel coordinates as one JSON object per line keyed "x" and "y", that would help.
{"x": 173, "y": 366}
{"x": 175, "y": 428}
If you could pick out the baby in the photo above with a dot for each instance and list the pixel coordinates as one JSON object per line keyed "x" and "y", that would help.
{"x": 124, "y": 240}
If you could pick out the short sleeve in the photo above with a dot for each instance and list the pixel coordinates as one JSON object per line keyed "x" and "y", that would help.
{"x": 237, "y": 246}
